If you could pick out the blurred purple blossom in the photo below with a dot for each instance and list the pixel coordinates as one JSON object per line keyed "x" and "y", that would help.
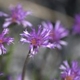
{"x": 17, "y": 15}
{"x": 1, "y": 74}
{"x": 4, "y": 40}
{"x": 56, "y": 34}
{"x": 35, "y": 38}
{"x": 70, "y": 72}
{"x": 76, "y": 26}
{"x": 19, "y": 77}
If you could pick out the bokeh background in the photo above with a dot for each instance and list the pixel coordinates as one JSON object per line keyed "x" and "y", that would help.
{"x": 44, "y": 65}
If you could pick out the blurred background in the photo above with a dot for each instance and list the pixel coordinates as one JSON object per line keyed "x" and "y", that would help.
{"x": 44, "y": 65}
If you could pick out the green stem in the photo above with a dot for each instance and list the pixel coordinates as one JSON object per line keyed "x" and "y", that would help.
{"x": 24, "y": 66}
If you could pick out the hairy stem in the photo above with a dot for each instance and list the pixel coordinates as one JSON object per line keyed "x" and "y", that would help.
{"x": 24, "y": 66}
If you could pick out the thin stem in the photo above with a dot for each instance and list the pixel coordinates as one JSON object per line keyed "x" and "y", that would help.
{"x": 2, "y": 63}
{"x": 24, "y": 66}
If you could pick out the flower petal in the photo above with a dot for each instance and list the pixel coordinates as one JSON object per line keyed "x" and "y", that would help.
{"x": 24, "y": 40}
{"x": 5, "y": 31}
{"x": 26, "y": 23}
{"x": 6, "y": 24}
{"x": 57, "y": 25}
{"x": 63, "y": 42}
{"x": 0, "y": 52}
{"x": 3, "y": 14}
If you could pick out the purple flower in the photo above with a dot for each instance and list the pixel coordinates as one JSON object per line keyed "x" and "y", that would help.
{"x": 70, "y": 72}
{"x": 56, "y": 34}
{"x": 19, "y": 77}
{"x": 76, "y": 26}
{"x": 1, "y": 74}
{"x": 17, "y": 15}
{"x": 4, "y": 40}
{"x": 35, "y": 38}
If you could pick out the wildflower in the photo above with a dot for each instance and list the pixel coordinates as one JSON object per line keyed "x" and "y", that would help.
{"x": 35, "y": 38}
{"x": 70, "y": 72}
{"x": 56, "y": 34}
{"x": 76, "y": 26}
{"x": 4, "y": 40}
{"x": 17, "y": 15}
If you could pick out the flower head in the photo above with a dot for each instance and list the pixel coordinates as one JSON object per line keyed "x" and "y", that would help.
{"x": 35, "y": 38}
{"x": 76, "y": 26}
{"x": 70, "y": 72}
{"x": 4, "y": 40}
{"x": 17, "y": 15}
{"x": 56, "y": 34}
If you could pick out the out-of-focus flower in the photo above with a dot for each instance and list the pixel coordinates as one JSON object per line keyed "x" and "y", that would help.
{"x": 19, "y": 77}
{"x": 76, "y": 26}
{"x": 4, "y": 40}
{"x": 17, "y": 15}
{"x": 35, "y": 38}
{"x": 56, "y": 34}
{"x": 70, "y": 72}
{"x": 1, "y": 74}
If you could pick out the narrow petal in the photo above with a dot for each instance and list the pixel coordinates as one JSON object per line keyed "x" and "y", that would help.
{"x": 64, "y": 34}
{"x": 45, "y": 25}
{"x": 57, "y": 25}
{"x": 26, "y": 32}
{"x": 33, "y": 51}
{"x": 66, "y": 64}
{"x": 10, "y": 41}
{"x": 24, "y": 40}
{"x": 5, "y": 31}
{"x": 3, "y": 14}
{"x": 28, "y": 13}
{"x": 6, "y": 24}
{"x": 52, "y": 46}
{"x": 26, "y": 23}
{"x": 50, "y": 25}
{"x": 58, "y": 46}
{"x": 62, "y": 67}
{"x": 39, "y": 29}
{"x": 0, "y": 51}
{"x": 8, "y": 19}
{"x": 63, "y": 42}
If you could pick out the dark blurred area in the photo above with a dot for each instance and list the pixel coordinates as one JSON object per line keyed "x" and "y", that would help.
{"x": 70, "y": 7}
{"x": 44, "y": 65}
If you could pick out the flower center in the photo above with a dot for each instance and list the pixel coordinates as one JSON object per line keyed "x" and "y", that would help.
{"x": 14, "y": 17}
{"x": 52, "y": 34}
{"x": 33, "y": 41}
{"x": 69, "y": 78}
{"x": 1, "y": 41}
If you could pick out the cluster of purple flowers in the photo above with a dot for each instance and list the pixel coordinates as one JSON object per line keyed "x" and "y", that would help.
{"x": 46, "y": 35}
{"x": 17, "y": 15}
